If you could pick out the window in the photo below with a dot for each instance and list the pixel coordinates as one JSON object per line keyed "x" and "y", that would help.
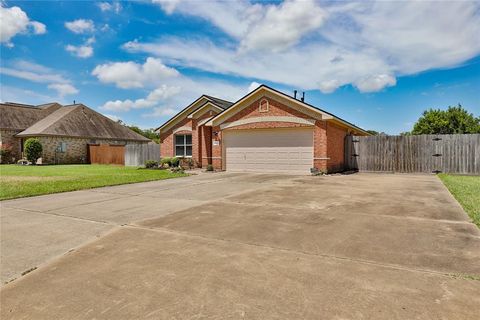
{"x": 183, "y": 145}
{"x": 263, "y": 106}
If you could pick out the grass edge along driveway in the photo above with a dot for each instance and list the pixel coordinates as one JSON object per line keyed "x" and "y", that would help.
{"x": 466, "y": 189}
{"x": 26, "y": 181}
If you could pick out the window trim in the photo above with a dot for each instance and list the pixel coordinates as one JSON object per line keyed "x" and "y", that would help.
{"x": 263, "y": 102}
{"x": 184, "y": 145}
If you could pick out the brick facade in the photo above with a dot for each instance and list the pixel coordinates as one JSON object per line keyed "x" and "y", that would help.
{"x": 328, "y": 138}
{"x": 7, "y": 138}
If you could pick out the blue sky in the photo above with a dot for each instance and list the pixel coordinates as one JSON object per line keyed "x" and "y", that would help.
{"x": 376, "y": 64}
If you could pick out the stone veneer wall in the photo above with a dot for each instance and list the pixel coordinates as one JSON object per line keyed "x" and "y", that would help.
{"x": 76, "y": 151}
{"x": 7, "y": 138}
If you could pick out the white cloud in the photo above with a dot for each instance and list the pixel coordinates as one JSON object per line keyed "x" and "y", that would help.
{"x": 15, "y": 21}
{"x": 34, "y": 72}
{"x": 365, "y": 44}
{"x": 155, "y": 97}
{"x": 233, "y": 17}
{"x": 254, "y": 85}
{"x": 134, "y": 75}
{"x": 110, "y": 6}
{"x": 38, "y": 27}
{"x": 80, "y": 26}
{"x": 161, "y": 112}
{"x": 63, "y": 89}
{"x": 112, "y": 117}
{"x": 375, "y": 83}
{"x": 283, "y": 26}
{"x": 83, "y": 51}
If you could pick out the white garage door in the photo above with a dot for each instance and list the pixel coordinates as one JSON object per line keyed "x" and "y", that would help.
{"x": 269, "y": 150}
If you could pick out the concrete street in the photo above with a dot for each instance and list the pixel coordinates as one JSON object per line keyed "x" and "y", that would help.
{"x": 243, "y": 246}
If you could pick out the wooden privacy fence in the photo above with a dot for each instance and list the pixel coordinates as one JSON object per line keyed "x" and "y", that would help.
{"x": 138, "y": 154}
{"x": 106, "y": 154}
{"x": 451, "y": 153}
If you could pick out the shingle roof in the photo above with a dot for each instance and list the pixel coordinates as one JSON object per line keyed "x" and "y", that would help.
{"x": 15, "y": 116}
{"x": 224, "y": 104}
{"x": 82, "y": 122}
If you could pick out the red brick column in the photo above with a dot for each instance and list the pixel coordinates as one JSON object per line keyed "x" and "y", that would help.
{"x": 206, "y": 143}
{"x": 196, "y": 148}
{"x": 217, "y": 148}
{"x": 320, "y": 158}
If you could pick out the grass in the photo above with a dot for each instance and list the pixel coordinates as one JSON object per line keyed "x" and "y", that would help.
{"x": 466, "y": 189}
{"x": 25, "y": 181}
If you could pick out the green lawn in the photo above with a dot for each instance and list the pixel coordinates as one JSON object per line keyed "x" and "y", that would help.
{"x": 466, "y": 189}
{"x": 24, "y": 181}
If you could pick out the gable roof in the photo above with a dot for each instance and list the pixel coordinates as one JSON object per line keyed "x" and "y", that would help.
{"x": 198, "y": 103}
{"x": 16, "y": 116}
{"x": 308, "y": 107}
{"x": 81, "y": 122}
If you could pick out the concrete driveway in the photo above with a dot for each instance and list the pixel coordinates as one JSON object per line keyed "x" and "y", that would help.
{"x": 235, "y": 246}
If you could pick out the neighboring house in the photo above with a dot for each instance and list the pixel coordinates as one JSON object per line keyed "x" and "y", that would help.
{"x": 64, "y": 131}
{"x": 266, "y": 130}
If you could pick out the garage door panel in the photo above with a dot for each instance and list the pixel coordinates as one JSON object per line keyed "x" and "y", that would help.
{"x": 283, "y": 150}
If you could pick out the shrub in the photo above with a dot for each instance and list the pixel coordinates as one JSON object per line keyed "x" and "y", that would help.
{"x": 33, "y": 150}
{"x": 177, "y": 169}
{"x": 209, "y": 167}
{"x": 165, "y": 162}
{"x": 5, "y": 153}
{"x": 174, "y": 161}
{"x": 149, "y": 164}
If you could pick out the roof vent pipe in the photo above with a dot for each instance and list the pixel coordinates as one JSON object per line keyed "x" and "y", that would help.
{"x": 303, "y": 96}
{"x": 295, "y": 94}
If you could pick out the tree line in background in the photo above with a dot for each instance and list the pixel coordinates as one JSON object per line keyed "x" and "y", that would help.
{"x": 147, "y": 133}
{"x": 454, "y": 120}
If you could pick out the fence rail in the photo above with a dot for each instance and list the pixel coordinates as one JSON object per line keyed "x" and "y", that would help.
{"x": 137, "y": 154}
{"x": 454, "y": 153}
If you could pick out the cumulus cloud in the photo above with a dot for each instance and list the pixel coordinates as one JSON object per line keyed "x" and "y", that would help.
{"x": 283, "y": 26}
{"x": 63, "y": 89}
{"x": 375, "y": 83}
{"x": 364, "y": 44}
{"x": 34, "y": 72}
{"x": 16, "y": 21}
{"x": 158, "y": 95}
{"x": 110, "y": 6}
{"x": 134, "y": 75}
{"x": 80, "y": 26}
{"x": 82, "y": 51}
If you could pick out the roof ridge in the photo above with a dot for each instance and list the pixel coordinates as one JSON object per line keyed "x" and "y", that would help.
{"x": 209, "y": 96}
{"x": 65, "y": 110}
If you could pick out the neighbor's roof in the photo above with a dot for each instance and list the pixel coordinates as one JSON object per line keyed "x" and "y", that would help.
{"x": 81, "y": 122}
{"x": 16, "y": 116}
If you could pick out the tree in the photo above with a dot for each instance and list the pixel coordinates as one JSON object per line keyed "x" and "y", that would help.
{"x": 376, "y": 133}
{"x": 451, "y": 121}
{"x": 33, "y": 150}
{"x": 148, "y": 133}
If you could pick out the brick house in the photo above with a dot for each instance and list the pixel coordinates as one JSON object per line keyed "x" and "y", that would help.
{"x": 64, "y": 131}
{"x": 266, "y": 130}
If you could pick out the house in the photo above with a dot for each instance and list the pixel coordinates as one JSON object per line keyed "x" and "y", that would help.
{"x": 64, "y": 131}
{"x": 266, "y": 130}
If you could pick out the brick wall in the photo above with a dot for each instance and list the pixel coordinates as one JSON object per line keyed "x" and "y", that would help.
{"x": 167, "y": 142}
{"x": 275, "y": 109}
{"x": 7, "y": 138}
{"x": 335, "y": 147}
